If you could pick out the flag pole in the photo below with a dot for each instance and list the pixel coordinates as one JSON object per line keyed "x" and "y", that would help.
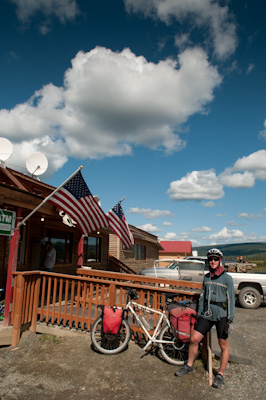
{"x": 47, "y": 198}
{"x": 123, "y": 198}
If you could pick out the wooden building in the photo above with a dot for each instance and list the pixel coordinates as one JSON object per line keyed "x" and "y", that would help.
{"x": 175, "y": 249}
{"x": 21, "y": 193}
{"x": 142, "y": 255}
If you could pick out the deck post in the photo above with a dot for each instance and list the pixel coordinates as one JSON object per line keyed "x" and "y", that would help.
{"x": 112, "y": 294}
{"x": 209, "y": 347}
{"x": 12, "y": 266}
{"x": 80, "y": 251}
{"x": 17, "y": 312}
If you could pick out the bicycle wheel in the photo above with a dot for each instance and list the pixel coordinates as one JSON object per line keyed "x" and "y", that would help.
{"x": 174, "y": 353}
{"x": 106, "y": 343}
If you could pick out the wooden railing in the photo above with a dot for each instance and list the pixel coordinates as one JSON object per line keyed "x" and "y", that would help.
{"x": 71, "y": 301}
{"x": 118, "y": 266}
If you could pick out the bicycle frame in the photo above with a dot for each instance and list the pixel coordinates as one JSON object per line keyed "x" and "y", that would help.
{"x": 163, "y": 316}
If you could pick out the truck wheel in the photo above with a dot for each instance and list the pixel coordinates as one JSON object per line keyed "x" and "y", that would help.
{"x": 249, "y": 297}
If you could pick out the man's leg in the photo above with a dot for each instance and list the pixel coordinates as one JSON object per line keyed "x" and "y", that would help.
{"x": 224, "y": 345}
{"x": 219, "y": 379}
{"x": 196, "y": 338}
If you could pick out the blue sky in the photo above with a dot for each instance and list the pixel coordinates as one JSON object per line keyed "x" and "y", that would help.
{"x": 163, "y": 102}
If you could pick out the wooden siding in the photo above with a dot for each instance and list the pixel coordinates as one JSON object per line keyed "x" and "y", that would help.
{"x": 127, "y": 256}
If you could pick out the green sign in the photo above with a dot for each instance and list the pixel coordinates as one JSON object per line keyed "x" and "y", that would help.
{"x": 7, "y": 222}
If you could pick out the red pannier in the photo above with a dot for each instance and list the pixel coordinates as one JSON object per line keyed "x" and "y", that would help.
{"x": 112, "y": 319}
{"x": 183, "y": 320}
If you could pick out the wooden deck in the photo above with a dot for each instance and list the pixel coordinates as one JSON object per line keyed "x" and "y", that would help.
{"x": 67, "y": 301}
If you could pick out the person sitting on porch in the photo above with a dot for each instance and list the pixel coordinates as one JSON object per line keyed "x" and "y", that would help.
{"x": 50, "y": 257}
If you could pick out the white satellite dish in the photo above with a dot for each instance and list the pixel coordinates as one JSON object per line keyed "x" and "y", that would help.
{"x": 6, "y": 149}
{"x": 36, "y": 164}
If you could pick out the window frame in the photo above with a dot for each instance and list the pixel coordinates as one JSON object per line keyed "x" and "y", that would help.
{"x": 54, "y": 234}
{"x": 98, "y": 249}
{"x": 140, "y": 251}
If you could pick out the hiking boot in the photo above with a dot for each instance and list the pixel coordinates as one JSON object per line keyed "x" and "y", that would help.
{"x": 218, "y": 381}
{"x": 184, "y": 370}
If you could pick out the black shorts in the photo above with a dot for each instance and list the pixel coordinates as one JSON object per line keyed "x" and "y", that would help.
{"x": 204, "y": 325}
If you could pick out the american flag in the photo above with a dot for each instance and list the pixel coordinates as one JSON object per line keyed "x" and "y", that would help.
{"x": 75, "y": 199}
{"x": 118, "y": 224}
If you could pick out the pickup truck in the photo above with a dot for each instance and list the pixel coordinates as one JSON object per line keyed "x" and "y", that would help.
{"x": 250, "y": 288}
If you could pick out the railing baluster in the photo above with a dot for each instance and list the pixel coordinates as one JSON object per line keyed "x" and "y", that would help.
{"x": 66, "y": 302}
{"x": 60, "y": 301}
{"x": 71, "y": 317}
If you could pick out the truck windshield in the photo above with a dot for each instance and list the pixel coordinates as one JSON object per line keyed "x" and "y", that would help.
{"x": 191, "y": 266}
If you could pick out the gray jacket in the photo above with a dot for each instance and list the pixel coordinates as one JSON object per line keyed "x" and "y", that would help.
{"x": 217, "y": 290}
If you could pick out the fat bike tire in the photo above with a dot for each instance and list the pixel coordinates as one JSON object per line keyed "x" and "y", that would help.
{"x": 106, "y": 343}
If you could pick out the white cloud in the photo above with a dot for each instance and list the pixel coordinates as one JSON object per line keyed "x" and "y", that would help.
{"x": 263, "y": 238}
{"x": 196, "y": 185}
{"x": 264, "y": 210}
{"x": 231, "y": 223}
{"x": 170, "y": 236}
{"x": 182, "y": 41}
{"x": 251, "y": 237}
{"x": 113, "y": 101}
{"x": 249, "y": 216}
{"x": 237, "y": 180}
{"x": 245, "y": 171}
{"x": 166, "y": 223}
{"x": 202, "y": 229}
{"x": 254, "y": 163}
{"x": 194, "y": 13}
{"x": 64, "y": 10}
{"x": 220, "y": 215}
{"x": 148, "y": 213}
{"x": 262, "y": 133}
{"x": 250, "y": 68}
{"x": 195, "y": 242}
{"x": 209, "y": 204}
{"x": 226, "y": 234}
{"x": 149, "y": 228}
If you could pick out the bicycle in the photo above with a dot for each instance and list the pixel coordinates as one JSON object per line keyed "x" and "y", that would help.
{"x": 170, "y": 349}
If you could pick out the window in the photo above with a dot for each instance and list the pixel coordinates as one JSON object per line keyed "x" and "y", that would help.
{"x": 139, "y": 252}
{"x": 63, "y": 243}
{"x": 191, "y": 266}
{"x": 92, "y": 248}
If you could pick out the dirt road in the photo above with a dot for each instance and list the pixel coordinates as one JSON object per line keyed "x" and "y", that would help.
{"x": 46, "y": 367}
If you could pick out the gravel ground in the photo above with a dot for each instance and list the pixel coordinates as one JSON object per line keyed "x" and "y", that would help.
{"x": 47, "y": 367}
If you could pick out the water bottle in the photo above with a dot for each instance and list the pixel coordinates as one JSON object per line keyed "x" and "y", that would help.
{"x": 145, "y": 322}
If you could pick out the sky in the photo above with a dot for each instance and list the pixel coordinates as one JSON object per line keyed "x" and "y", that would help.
{"x": 161, "y": 101}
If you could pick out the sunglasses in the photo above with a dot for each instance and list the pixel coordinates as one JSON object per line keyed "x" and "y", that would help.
{"x": 214, "y": 259}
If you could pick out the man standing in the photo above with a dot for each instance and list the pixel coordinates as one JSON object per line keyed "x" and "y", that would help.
{"x": 50, "y": 257}
{"x": 216, "y": 307}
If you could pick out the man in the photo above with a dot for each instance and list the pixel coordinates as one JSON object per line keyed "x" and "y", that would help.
{"x": 216, "y": 307}
{"x": 50, "y": 257}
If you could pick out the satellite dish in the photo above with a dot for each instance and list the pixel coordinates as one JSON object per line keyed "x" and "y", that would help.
{"x": 36, "y": 164}
{"x": 6, "y": 149}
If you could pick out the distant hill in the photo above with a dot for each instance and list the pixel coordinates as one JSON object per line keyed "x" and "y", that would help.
{"x": 235, "y": 250}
